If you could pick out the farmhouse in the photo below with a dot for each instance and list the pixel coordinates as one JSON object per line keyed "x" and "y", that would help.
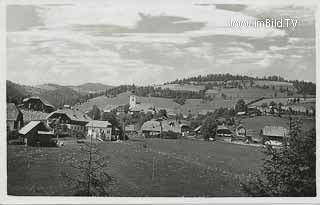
{"x": 130, "y": 129}
{"x": 274, "y": 134}
{"x": 154, "y": 127}
{"x": 14, "y": 117}
{"x": 241, "y": 131}
{"x": 73, "y": 119}
{"x": 38, "y": 104}
{"x": 36, "y": 133}
{"x": 151, "y": 128}
{"x": 99, "y": 129}
{"x": 223, "y": 132}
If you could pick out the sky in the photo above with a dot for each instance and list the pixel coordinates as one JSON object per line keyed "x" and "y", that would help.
{"x": 146, "y": 42}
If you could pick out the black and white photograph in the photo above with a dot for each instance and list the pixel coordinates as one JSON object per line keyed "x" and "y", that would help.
{"x": 171, "y": 98}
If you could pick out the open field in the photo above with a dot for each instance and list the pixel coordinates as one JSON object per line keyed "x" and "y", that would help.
{"x": 141, "y": 167}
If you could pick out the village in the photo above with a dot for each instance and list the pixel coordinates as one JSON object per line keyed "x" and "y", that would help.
{"x": 38, "y": 123}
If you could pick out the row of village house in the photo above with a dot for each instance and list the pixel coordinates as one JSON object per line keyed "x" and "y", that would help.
{"x": 76, "y": 120}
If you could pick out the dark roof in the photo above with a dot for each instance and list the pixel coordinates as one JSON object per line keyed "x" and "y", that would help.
{"x": 12, "y": 111}
{"x": 44, "y": 101}
{"x": 75, "y": 115}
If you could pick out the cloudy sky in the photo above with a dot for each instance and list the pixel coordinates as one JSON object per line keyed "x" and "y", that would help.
{"x": 149, "y": 42}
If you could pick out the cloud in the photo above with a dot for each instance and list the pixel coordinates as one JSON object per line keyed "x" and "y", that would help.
{"x": 137, "y": 42}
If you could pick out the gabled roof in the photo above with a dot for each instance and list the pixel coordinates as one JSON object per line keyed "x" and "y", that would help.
{"x": 44, "y": 101}
{"x": 98, "y": 123}
{"x": 74, "y": 115}
{"x": 275, "y": 131}
{"x": 197, "y": 128}
{"x": 12, "y": 111}
{"x": 151, "y": 125}
{"x": 222, "y": 127}
{"x": 154, "y": 126}
{"x": 28, "y": 127}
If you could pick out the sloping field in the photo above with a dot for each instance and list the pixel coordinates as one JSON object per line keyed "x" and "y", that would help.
{"x": 123, "y": 98}
{"x": 186, "y": 87}
{"x": 192, "y": 105}
{"x": 249, "y": 93}
{"x": 140, "y": 167}
{"x": 283, "y": 101}
{"x": 276, "y": 84}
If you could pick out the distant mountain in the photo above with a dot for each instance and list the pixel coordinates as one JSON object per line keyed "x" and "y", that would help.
{"x": 91, "y": 87}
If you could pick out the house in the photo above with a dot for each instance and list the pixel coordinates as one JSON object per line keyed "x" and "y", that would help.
{"x": 151, "y": 128}
{"x": 130, "y": 129}
{"x": 14, "y": 117}
{"x": 99, "y": 129}
{"x": 197, "y": 130}
{"x": 274, "y": 135}
{"x": 241, "y": 131}
{"x": 223, "y": 133}
{"x": 37, "y": 133}
{"x": 38, "y": 104}
{"x": 74, "y": 119}
{"x": 155, "y": 127}
{"x": 185, "y": 129}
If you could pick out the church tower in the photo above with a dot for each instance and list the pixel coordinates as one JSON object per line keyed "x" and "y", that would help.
{"x": 132, "y": 100}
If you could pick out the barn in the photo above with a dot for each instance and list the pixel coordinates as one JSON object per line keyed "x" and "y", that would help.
{"x": 274, "y": 135}
{"x": 38, "y": 104}
{"x": 37, "y": 133}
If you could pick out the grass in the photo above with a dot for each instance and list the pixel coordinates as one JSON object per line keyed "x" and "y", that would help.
{"x": 141, "y": 167}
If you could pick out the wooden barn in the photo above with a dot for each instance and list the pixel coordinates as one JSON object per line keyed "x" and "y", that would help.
{"x": 37, "y": 133}
{"x": 38, "y": 104}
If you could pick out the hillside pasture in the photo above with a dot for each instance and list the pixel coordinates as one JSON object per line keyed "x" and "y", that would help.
{"x": 184, "y": 87}
{"x": 123, "y": 98}
{"x": 140, "y": 168}
{"x": 276, "y": 84}
{"x": 284, "y": 101}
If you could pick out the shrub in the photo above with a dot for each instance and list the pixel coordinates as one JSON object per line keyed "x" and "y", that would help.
{"x": 288, "y": 171}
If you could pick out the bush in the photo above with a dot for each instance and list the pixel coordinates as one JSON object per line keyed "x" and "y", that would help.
{"x": 289, "y": 170}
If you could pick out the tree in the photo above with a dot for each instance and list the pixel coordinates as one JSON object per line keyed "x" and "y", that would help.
{"x": 180, "y": 100}
{"x": 209, "y": 127}
{"x": 162, "y": 113}
{"x": 92, "y": 178}
{"x": 290, "y": 170}
{"x": 272, "y": 104}
{"x": 95, "y": 113}
{"x": 241, "y": 106}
